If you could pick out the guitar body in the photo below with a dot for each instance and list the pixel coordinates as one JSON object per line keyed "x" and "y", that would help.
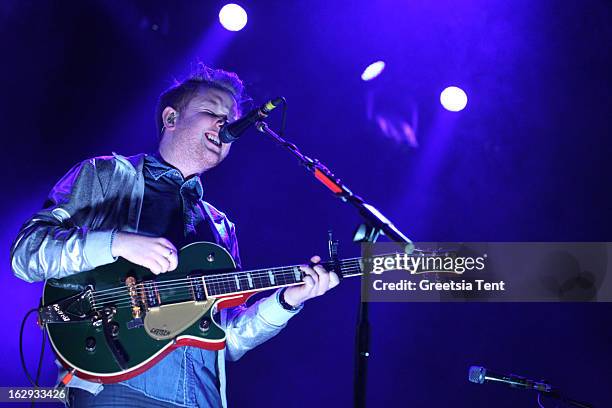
{"x": 118, "y": 320}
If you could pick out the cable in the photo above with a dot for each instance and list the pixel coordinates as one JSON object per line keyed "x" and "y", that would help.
{"x": 540, "y": 402}
{"x": 42, "y": 353}
{"x": 283, "y": 118}
{"x": 23, "y": 364}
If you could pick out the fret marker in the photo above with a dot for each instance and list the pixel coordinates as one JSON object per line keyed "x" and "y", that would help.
{"x": 271, "y": 275}
{"x": 250, "y": 280}
{"x": 237, "y": 282}
{"x": 298, "y": 275}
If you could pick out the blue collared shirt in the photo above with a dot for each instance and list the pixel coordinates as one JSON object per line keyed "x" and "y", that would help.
{"x": 171, "y": 205}
{"x": 187, "y": 376}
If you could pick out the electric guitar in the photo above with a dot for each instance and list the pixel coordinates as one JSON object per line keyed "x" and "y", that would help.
{"x": 118, "y": 320}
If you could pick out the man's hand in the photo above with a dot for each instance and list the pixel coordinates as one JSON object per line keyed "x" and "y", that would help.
{"x": 316, "y": 282}
{"x": 156, "y": 254}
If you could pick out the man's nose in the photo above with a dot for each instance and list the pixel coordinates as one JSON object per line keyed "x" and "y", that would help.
{"x": 220, "y": 122}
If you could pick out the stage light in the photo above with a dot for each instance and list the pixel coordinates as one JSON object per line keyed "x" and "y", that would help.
{"x": 453, "y": 99}
{"x": 373, "y": 70}
{"x": 233, "y": 17}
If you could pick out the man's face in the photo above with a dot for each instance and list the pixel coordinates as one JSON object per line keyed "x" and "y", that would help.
{"x": 196, "y": 137}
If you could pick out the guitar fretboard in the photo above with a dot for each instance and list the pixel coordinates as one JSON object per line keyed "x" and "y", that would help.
{"x": 263, "y": 279}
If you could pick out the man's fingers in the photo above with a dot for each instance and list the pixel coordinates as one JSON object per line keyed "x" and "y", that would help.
{"x": 166, "y": 264}
{"x": 156, "y": 254}
{"x": 310, "y": 273}
{"x": 173, "y": 262}
{"x": 317, "y": 280}
{"x": 309, "y": 282}
{"x": 323, "y": 279}
{"x": 164, "y": 242}
{"x": 159, "y": 262}
{"x": 315, "y": 259}
{"x": 334, "y": 280}
{"x": 172, "y": 258}
{"x": 169, "y": 255}
{"x": 165, "y": 250}
{"x": 154, "y": 266}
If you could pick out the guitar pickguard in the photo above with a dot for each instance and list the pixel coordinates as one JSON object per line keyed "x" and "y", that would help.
{"x": 168, "y": 321}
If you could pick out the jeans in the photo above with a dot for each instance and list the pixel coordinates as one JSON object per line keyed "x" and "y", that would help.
{"x": 114, "y": 395}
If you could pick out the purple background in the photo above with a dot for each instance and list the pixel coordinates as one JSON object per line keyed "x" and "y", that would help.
{"x": 527, "y": 160}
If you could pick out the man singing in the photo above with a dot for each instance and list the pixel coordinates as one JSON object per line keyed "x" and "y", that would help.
{"x": 142, "y": 208}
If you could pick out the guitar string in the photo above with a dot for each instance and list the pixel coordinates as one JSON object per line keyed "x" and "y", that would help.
{"x": 264, "y": 271}
{"x": 216, "y": 288}
{"x": 179, "y": 296}
{"x": 128, "y": 304}
{"x": 229, "y": 282}
{"x": 226, "y": 278}
{"x": 179, "y": 282}
{"x": 280, "y": 274}
{"x": 222, "y": 289}
{"x": 223, "y": 275}
{"x": 258, "y": 273}
{"x": 212, "y": 278}
{"x": 255, "y": 271}
{"x": 261, "y": 272}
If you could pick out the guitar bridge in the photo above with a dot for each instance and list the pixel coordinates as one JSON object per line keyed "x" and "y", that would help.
{"x": 136, "y": 301}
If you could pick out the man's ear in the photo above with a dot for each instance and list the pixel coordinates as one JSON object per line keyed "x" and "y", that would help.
{"x": 169, "y": 117}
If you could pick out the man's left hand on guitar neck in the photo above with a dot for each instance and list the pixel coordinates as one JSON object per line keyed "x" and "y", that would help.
{"x": 316, "y": 282}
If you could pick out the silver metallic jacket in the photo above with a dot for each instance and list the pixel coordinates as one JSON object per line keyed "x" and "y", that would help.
{"x": 73, "y": 234}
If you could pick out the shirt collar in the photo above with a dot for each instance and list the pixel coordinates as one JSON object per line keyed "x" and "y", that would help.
{"x": 159, "y": 168}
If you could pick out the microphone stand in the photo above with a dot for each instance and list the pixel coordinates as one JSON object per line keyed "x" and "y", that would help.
{"x": 556, "y": 394}
{"x": 374, "y": 224}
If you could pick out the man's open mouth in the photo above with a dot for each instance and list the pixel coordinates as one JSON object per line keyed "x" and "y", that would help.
{"x": 213, "y": 138}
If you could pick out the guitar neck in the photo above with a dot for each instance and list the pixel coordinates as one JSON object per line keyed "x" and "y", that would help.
{"x": 270, "y": 278}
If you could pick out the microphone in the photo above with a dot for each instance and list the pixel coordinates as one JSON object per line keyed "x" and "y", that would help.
{"x": 480, "y": 375}
{"x": 231, "y": 132}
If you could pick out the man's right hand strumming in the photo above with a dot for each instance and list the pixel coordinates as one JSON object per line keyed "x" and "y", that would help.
{"x": 156, "y": 254}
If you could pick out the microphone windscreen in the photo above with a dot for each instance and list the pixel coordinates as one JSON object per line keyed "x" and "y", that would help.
{"x": 477, "y": 374}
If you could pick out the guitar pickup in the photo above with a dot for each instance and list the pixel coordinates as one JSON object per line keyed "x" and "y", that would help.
{"x": 150, "y": 294}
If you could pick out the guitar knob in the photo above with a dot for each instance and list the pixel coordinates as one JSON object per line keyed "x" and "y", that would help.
{"x": 211, "y": 257}
{"x": 90, "y": 344}
{"x": 204, "y": 324}
{"x": 114, "y": 329}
